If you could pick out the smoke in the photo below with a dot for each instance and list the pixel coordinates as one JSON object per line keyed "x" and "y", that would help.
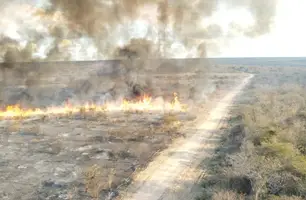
{"x": 173, "y": 22}
{"x": 263, "y": 13}
{"x": 108, "y": 24}
{"x": 130, "y": 30}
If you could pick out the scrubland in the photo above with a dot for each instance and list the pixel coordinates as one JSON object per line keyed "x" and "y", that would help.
{"x": 261, "y": 153}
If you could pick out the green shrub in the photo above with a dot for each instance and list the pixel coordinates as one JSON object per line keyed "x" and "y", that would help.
{"x": 299, "y": 164}
{"x": 280, "y": 150}
{"x": 265, "y": 135}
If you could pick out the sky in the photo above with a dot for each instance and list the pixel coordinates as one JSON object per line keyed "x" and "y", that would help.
{"x": 287, "y": 37}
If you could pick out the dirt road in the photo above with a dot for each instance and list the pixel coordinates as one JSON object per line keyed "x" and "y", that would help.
{"x": 173, "y": 174}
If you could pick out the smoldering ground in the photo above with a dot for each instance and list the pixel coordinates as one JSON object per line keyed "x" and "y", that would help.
{"x": 61, "y": 24}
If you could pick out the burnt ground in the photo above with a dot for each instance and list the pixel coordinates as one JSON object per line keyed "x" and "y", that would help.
{"x": 48, "y": 158}
{"x": 95, "y": 155}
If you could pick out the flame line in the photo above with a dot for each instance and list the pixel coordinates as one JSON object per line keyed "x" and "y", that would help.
{"x": 144, "y": 104}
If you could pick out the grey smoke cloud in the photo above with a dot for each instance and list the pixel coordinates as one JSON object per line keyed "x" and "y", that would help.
{"x": 97, "y": 19}
{"x": 263, "y": 13}
{"x": 100, "y": 21}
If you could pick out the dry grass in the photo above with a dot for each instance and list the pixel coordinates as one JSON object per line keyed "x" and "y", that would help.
{"x": 169, "y": 118}
{"x": 93, "y": 177}
{"x": 17, "y": 126}
{"x": 227, "y": 195}
{"x": 270, "y": 152}
{"x": 33, "y": 129}
{"x": 285, "y": 198}
{"x": 171, "y": 123}
{"x": 93, "y": 184}
{"x": 14, "y": 127}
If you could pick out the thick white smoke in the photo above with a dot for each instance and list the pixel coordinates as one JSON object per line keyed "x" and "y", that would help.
{"x": 60, "y": 33}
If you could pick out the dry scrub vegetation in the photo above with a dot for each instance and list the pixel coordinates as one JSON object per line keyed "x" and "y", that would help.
{"x": 262, "y": 154}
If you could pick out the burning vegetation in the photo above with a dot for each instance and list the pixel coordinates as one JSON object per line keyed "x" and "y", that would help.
{"x": 141, "y": 104}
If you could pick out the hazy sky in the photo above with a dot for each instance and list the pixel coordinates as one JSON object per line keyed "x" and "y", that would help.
{"x": 287, "y": 37}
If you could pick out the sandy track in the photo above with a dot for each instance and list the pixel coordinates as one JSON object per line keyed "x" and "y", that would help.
{"x": 174, "y": 172}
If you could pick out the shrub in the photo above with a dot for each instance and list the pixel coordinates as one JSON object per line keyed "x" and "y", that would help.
{"x": 301, "y": 144}
{"x": 270, "y": 154}
{"x": 280, "y": 150}
{"x": 263, "y": 135}
{"x": 284, "y": 198}
{"x": 227, "y": 195}
{"x": 283, "y": 183}
{"x": 93, "y": 178}
{"x": 241, "y": 185}
{"x": 171, "y": 123}
{"x": 299, "y": 164}
{"x": 169, "y": 119}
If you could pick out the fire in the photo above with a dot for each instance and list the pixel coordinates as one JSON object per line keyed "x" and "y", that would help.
{"x": 144, "y": 104}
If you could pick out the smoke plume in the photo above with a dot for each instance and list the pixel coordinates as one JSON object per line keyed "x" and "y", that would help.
{"x": 130, "y": 30}
{"x": 174, "y": 28}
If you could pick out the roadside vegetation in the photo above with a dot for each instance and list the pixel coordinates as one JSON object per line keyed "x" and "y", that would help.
{"x": 262, "y": 153}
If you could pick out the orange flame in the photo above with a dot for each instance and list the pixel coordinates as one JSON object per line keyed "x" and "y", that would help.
{"x": 145, "y": 103}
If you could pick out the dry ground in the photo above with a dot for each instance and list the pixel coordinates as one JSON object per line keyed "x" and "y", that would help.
{"x": 47, "y": 158}
{"x": 95, "y": 155}
{"x": 173, "y": 174}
